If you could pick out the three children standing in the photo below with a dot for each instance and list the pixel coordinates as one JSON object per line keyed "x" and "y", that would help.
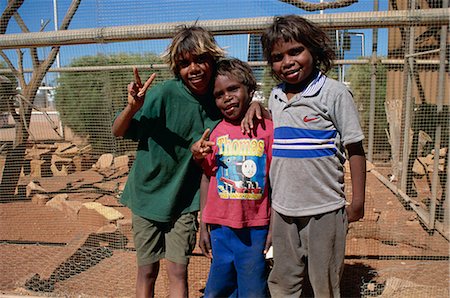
{"x": 315, "y": 129}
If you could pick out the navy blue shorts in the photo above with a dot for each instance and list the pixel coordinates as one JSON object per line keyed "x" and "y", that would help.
{"x": 238, "y": 267}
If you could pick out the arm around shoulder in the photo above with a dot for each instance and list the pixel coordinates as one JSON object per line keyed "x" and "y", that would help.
{"x": 254, "y": 115}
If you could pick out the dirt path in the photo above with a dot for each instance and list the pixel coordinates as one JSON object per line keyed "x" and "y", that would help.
{"x": 388, "y": 251}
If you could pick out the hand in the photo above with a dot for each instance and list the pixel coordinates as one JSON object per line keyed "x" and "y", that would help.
{"x": 202, "y": 147}
{"x": 268, "y": 241}
{"x": 205, "y": 242}
{"x": 136, "y": 91}
{"x": 354, "y": 212}
{"x": 249, "y": 123}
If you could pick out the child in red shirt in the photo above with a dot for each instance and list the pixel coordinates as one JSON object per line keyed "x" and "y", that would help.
{"x": 236, "y": 211}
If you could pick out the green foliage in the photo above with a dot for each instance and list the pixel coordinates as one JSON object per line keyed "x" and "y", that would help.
{"x": 268, "y": 83}
{"x": 333, "y": 73}
{"x": 89, "y": 100}
{"x": 359, "y": 79}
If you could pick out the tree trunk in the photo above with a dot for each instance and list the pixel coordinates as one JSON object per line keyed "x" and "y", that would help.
{"x": 15, "y": 158}
{"x": 11, "y": 172}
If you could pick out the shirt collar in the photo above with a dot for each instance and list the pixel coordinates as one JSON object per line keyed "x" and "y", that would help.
{"x": 314, "y": 86}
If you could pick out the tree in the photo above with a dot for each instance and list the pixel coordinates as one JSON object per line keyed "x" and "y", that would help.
{"x": 22, "y": 115}
{"x": 88, "y": 101}
{"x": 268, "y": 83}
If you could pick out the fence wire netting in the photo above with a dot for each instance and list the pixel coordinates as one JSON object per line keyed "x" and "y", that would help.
{"x": 64, "y": 70}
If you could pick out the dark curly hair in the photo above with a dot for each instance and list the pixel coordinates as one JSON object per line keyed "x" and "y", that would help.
{"x": 295, "y": 28}
{"x": 239, "y": 70}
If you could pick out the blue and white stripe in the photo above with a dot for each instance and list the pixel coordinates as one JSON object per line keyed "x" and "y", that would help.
{"x": 292, "y": 142}
{"x": 315, "y": 85}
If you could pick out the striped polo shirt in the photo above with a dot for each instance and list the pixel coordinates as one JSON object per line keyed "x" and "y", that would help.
{"x": 310, "y": 132}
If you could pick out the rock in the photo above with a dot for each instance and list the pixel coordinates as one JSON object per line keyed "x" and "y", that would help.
{"x": 65, "y": 148}
{"x": 35, "y": 168}
{"x": 78, "y": 163}
{"x": 89, "y": 177}
{"x": 442, "y": 152}
{"x": 418, "y": 167}
{"x": 108, "y": 200}
{"x": 40, "y": 199}
{"x": 109, "y": 228}
{"x": 110, "y": 186}
{"x": 86, "y": 149}
{"x": 35, "y": 153}
{"x": 121, "y": 161}
{"x": 108, "y": 212}
{"x": 57, "y": 172}
{"x": 61, "y": 203}
{"x": 57, "y": 201}
{"x": 105, "y": 161}
{"x": 33, "y": 187}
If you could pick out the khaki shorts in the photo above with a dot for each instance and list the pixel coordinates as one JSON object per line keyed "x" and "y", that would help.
{"x": 173, "y": 241}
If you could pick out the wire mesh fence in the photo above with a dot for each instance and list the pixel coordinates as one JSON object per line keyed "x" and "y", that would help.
{"x": 63, "y": 231}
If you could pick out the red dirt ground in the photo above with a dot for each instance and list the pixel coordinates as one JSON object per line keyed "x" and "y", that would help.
{"x": 389, "y": 250}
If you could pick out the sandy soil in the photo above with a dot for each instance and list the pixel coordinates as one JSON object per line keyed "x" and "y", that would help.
{"x": 44, "y": 252}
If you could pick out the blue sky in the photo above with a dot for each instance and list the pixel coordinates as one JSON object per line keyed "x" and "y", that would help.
{"x": 106, "y": 13}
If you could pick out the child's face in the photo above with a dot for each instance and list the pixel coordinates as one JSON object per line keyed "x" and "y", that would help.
{"x": 196, "y": 72}
{"x": 232, "y": 97}
{"x": 292, "y": 62}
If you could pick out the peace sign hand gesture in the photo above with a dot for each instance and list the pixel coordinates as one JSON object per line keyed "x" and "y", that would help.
{"x": 136, "y": 96}
{"x": 136, "y": 91}
{"x": 202, "y": 147}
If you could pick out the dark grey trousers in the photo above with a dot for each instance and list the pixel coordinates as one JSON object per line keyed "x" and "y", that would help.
{"x": 315, "y": 243}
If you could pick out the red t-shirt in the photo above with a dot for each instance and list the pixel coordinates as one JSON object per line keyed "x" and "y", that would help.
{"x": 238, "y": 194}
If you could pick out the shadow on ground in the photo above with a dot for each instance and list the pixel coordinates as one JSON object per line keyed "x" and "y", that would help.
{"x": 353, "y": 284}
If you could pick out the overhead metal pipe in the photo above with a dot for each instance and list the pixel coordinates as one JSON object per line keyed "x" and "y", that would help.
{"x": 373, "y": 19}
{"x": 397, "y": 62}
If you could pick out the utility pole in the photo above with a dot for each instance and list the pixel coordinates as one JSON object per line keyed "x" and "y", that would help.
{"x": 55, "y": 18}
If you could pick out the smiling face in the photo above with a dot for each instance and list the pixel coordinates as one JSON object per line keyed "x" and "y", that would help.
{"x": 196, "y": 71}
{"x": 292, "y": 62}
{"x": 249, "y": 168}
{"x": 232, "y": 97}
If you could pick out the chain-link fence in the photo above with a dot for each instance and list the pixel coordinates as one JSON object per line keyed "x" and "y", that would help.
{"x": 63, "y": 231}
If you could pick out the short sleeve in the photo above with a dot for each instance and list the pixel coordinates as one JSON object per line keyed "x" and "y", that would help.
{"x": 346, "y": 118}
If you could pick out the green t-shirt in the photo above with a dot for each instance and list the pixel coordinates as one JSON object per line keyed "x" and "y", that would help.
{"x": 164, "y": 180}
